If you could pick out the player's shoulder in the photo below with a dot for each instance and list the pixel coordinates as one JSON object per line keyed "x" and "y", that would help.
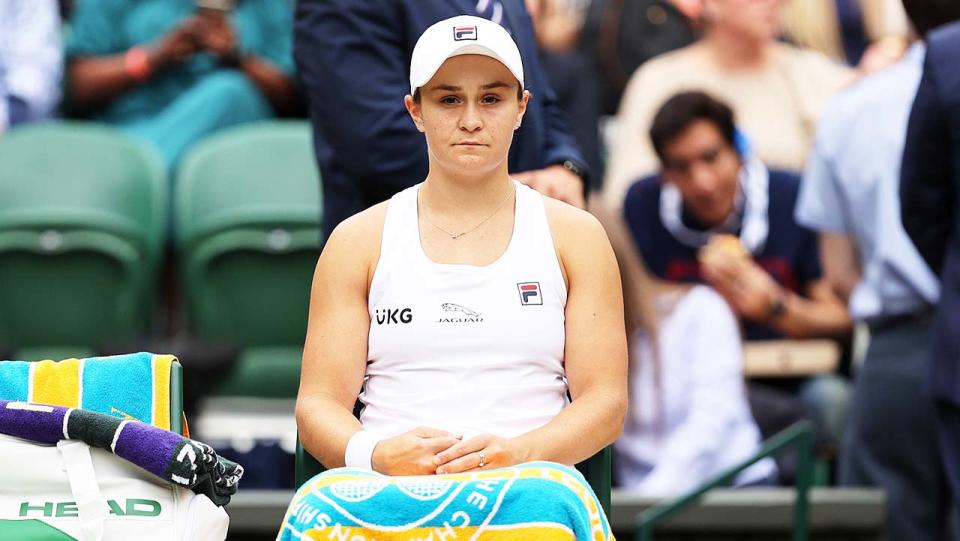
{"x": 360, "y": 234}
{"x": 567, "y": 221}
{"x": 578, "y": 236}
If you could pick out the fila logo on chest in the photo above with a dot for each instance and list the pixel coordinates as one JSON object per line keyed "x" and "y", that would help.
{"x": 530, "y": 293}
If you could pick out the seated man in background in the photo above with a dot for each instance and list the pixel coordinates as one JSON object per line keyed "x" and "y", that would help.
{"x": 715, "y": 214}
{"x": 172, "y": 72}
{"x": 30, "y": 61}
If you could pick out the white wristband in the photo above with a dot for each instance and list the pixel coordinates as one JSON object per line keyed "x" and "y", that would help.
{"x": 359, "y": 451}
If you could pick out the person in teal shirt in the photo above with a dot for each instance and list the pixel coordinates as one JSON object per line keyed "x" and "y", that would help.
{"x": 175, "y": 71}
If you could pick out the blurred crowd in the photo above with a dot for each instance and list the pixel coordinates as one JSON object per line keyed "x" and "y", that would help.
{"x": 746, "y": 155}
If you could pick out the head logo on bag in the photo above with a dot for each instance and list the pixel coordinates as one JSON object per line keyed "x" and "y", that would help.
{"x": 133, "y": 507}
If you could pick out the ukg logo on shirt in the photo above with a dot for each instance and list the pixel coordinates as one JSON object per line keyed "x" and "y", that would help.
{"x": 396, "y": 316}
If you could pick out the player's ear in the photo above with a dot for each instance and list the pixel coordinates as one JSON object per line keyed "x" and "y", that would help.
{"x": 522, "y": 108}
{"x": 413, "y": 108}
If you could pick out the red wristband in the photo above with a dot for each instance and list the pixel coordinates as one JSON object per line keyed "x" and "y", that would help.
{"x": 137, "y": 63}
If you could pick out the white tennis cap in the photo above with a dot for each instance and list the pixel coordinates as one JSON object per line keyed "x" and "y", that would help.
{"x": 462, "y": 35}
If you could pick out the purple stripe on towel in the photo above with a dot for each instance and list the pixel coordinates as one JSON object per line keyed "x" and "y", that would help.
{"x": 149, "y": 447}
{"x": 38, "y": 423}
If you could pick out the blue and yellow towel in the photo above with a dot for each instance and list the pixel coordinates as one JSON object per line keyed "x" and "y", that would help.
{"x": 133, "y": 387}
{"x": 539, "y": 501}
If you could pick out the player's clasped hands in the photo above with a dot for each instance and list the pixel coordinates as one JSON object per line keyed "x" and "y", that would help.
{"x": 413, "y": 452}
{"x": 427, "y": 451}
{"x": 484, "y": 451}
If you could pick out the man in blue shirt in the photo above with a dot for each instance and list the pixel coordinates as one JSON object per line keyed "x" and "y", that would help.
{"x": 353, "y": 58}
{"x": 715, "y": 214}
{"x": 850, "y": 194}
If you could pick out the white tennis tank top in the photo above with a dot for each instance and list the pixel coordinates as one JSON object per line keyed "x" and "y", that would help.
{"x": 464, "y": 348}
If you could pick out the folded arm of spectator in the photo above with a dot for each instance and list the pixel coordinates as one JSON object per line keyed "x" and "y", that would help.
{"x": 818, "y": 314}
{"x": 754, "y": 295}
{"x": 927, "y": 199}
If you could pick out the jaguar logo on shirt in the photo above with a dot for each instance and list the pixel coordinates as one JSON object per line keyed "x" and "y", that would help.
{"x": 395, "y": 316}
{"x": 455, "y": 313}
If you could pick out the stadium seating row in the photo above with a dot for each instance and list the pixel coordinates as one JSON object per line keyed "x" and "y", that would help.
{"x": 87, "y": 213}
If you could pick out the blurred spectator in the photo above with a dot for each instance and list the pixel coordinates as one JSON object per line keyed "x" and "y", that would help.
{"x": 30, "y": 61}
{"x": 174, "y": 71}
{"x": 930, "y": 184}
{"x": 555, "y": 29}
{"x": 850, "y": 194}
{"x": 776, "y": 90}
{"x": 870, "y": 34}
{"x": 688, "y": 417}
{"x": 556, "y": 24}
{"x": 353, "y": 58}
{"x": 715, "y": 214}
{"x": 620, "y": 35}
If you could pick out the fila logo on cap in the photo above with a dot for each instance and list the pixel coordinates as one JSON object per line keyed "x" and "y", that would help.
{"x": 464, "y": 33}
{"x": 530, "y": 293}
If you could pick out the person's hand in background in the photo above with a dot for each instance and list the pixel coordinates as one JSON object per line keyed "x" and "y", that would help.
{"x": 751, "y": 292}
{"x": 557, "y": 182}
{"x": 881, "y": 53}
{"x": 218, "y": 36}
{"x": 178, "y": 45}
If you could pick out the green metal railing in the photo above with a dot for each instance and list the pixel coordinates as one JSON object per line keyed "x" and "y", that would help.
{"x": 799, "y": 435}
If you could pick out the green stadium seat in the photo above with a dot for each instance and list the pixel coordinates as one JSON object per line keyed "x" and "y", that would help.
{"x": 82, "y": 220}
{"x": 247, "y": 220}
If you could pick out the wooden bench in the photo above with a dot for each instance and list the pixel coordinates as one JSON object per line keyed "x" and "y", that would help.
{"x": 789, "y": 358}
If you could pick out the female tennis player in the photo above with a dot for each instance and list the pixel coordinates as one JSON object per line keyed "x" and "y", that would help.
{"x": 479, "y": 324}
